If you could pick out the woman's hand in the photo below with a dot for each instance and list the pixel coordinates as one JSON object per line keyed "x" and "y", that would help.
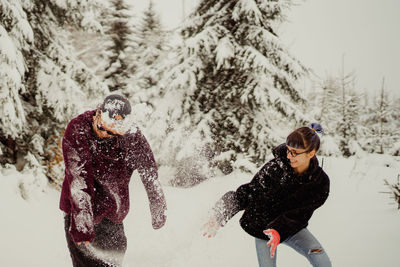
{"x": 274, "y": 239}
{"x": 210, "y": 228}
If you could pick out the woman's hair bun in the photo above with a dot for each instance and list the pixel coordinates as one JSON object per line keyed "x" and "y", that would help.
{"x": 317, "y": 127}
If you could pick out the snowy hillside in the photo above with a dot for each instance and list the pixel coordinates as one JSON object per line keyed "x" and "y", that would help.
{"x": 358, "y": 226}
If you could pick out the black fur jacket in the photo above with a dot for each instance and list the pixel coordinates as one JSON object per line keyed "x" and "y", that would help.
{"x": 276, "y": 198}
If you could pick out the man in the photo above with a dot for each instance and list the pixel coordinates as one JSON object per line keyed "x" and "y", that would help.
{"x": 101, "y": 150}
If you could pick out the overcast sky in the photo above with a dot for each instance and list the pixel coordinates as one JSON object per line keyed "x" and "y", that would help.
{"x": 320, "y": 32}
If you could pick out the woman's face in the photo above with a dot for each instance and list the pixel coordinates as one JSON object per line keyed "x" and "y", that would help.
{"x": 299, "y": 158}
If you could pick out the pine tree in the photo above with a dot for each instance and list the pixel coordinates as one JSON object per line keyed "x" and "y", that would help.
{"x": 149, "y": 58}
{"x": 235, "y": 83}
{"x": 324, "y": 103}
{"x": 42, "y": 82}
{"x": 121, "y": 46}
{"x": 382, "y": 131}
{"x": 383, "y": 110}
{"x": 327, "y": 102}
{"x": 395, "y": 126}
{"x": 348, "y": 126}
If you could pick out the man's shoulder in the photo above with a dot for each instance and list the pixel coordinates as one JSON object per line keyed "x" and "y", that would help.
{"x": 133, "y": 133}
{"x": 82, "y": 118}
{"x": 81, "y": 124}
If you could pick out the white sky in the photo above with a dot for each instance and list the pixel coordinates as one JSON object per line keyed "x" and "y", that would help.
{"x": 320, "y": 32}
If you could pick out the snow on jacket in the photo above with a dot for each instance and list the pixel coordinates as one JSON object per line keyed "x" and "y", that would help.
{"x": 276, "y": 198}
{"x": 97, "y": 175}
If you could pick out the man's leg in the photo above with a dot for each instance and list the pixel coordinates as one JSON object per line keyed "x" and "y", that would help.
{"x": 263, "y": 254}
{"x": 107, "y": 249}
{"x": 79, "y": 254}
{"x": 307, "y": 245}
{"x": 110, "y": 242}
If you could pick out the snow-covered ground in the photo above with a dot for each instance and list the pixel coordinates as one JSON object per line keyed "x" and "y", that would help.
{"x": 358, "y": 225}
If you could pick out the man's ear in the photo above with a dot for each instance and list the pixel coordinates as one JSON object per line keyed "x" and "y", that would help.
{"x": 311, "y": 154}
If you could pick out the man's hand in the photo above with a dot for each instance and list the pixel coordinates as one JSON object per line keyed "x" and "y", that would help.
{"x": 158, "y": 219}
{"x": 274, "y": 239}
{"x": 210, "y": 228}
{"x": 85, "y": 242}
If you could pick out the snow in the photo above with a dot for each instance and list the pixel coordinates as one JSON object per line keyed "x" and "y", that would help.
{"x": 128, "y": 124}
{"x": 247, "y": 8}
{"x": 358, "y": 225}
{"x": 225, "y": 51}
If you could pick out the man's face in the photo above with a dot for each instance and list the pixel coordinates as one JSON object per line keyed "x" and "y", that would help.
{"x": 106, "y": 129}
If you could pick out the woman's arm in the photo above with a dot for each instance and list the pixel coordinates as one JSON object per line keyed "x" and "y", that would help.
{"x": 234, "y": 201}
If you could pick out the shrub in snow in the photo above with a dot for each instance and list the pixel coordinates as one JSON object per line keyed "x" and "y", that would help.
{"x": 395, "y": 190}
{"x": 54, "y": 160}
{"x": 190, "y": 171}
{"x": 329, "y": 146}
{"x": 395, "y": 150}
{"x": 35, "y": 180}
{"x": 355, "y": 149}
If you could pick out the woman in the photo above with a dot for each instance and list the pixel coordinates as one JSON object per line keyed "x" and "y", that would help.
{"x": 280, "y": 200}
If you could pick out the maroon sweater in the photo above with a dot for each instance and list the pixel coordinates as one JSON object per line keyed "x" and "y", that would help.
{"x": 97, "y": 175}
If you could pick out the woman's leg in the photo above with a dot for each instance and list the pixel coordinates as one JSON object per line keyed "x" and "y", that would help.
{"x": 307, "y": 245}
{"x": 263, "y": 254}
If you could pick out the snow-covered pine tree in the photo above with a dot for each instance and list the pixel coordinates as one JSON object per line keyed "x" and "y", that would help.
{"x": 234, "y": 87}
{"x": 91, "y": 46}
{"x": 42, "y": 84}
{"x": 16, "y": 37}
{"x": 349, "y": 124}
{"x": 324, "y": 102}
{"x": 121, "y": 46}
{"x": 381, "y": 131}
{"x": 395, "y": 149}
{"x": 327, "y": 102}
{"x": 149, "y": 58}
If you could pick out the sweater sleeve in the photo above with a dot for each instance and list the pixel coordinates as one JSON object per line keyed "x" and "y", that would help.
{"x": 79, "y": 179}
{"x": 148, "y": 172}
{"x": 246, "y": 193}
{"x": 293, "y": 220}
{"x": 234, "y": 201}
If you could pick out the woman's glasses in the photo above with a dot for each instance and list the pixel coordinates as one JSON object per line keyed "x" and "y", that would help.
{"x": 294, "y": 153}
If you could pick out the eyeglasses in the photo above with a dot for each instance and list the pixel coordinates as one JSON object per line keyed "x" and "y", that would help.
{"x": 294, "y": 153}
{"x": 105, "y": 130}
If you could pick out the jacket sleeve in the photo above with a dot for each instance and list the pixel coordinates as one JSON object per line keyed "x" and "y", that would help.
{"x": 79, "y": 176}
{"x": 234, "y": 201}
{"x": 293, "y": 220}
{"x": 147, "y": 169}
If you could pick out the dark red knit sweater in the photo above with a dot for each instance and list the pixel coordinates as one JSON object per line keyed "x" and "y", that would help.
{"x": 97, "y": 175}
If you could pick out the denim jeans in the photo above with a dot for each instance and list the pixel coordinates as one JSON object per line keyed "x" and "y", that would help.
{"x": 303, "y": 242}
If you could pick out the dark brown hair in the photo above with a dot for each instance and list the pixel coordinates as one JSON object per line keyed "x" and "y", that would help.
{"x": 304, "y": 138}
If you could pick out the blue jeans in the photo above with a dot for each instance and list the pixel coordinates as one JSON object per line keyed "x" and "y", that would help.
{"x": 303, "y": 242}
